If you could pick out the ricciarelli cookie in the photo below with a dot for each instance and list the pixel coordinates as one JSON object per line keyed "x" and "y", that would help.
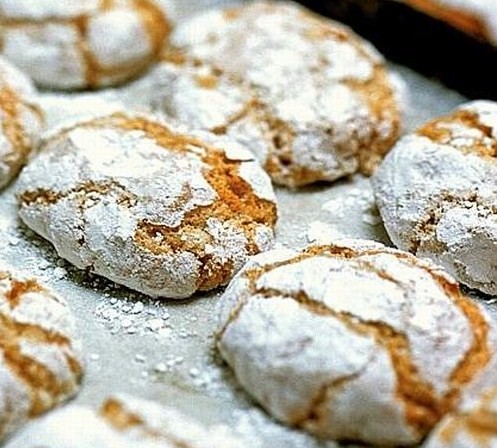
{"x": 326, "y": 99}
{"x": 21, "y": 121}
{"x": 122, "y": 422}
{"x": 165, "y": 212}
{"x": 40, "y": 361}
{"x": 82, "y": 44}
{"x": 352, "y": 341}
{"x": 437, "y": 193}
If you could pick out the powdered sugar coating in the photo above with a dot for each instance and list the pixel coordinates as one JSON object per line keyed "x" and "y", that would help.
{"x": 21, "y": 121}
{"x": 74, "y": 45}
{"x": 437, "y": 194}
{"x": 474, "y": 422}
{"x": 327, "y": 103}
{"x": 122, "y": 422}
{"x": 40, "y": 360}
{"x": 203, "y": 97}
{"x": 161, "y": 211}
{"x": 352, "y": 341}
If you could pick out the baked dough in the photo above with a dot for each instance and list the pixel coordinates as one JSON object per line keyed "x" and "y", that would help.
{"x": 21, "y": 121}
{"x": 122, "y": 422}
{"x": 40, "y": 359}
{"x": 329, "y": 106}
{"x": 352, "y": 341}
{"x": 82, "y": 44}
{"x": 165, "y": 212}
{"x": 437, "y": 193}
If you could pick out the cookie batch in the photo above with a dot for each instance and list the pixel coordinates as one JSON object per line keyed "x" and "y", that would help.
{"x": 164, "y": 185}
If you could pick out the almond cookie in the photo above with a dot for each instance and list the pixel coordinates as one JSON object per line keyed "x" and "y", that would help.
{"x": 40, "y": 362}
{"x": 83, "y": 44}
{"x": 474, "y": 423}
{"x": 352, "y": 341}
{"x": 156, "y": 209}
{"x": 20, "y": 120}
{"x": 437, "y": 194}
{"x": 122, "y": 422}
{"x": 328, "y": 103}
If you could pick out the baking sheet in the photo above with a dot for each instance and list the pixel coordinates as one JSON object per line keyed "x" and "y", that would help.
{"x": 163, "y": 350}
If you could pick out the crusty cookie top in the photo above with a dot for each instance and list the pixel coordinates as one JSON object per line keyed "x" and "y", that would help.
{"x": 40, "y": 362}
{"x": 162, "y": 211}
{"x": 326, "y": 93}
{"x": 352, "y": 332}
{"x": 202, "y": 96}
{"x": 82, "y": 44}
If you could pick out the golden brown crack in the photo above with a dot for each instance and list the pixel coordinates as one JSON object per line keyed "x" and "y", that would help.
{"x": 12, "y": 127}
{"x": 123, "y": 420}
{"x": 480, "y": 423}
{"x": 423, "y": 407}
{"x": 18, "y": 289}
{"x": 439, "y": 131}
{"x": 84, "y": 192}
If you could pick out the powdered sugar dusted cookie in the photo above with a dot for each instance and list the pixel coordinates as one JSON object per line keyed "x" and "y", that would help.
{"x": 40, "y": 362}
{"x": 437, "y": 193}
{"x": 327, "y": 101}
{"x": 89, "y": 43}
{"x": 352, "y": 341}
{"x": 161, "y": 211}
{"x": 20, "y": 121}
{"x": 474, "y": 423}
{"x": 123, "y": 422}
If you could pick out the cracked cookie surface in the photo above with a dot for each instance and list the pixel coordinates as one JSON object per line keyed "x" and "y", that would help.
{"x": 122, "y": 422}
{"x": 40, "y": 360}
{"x": 327, "y": 101}
{"x": 437, "y": 193}
{"x": 21, "y": 121}
{"x": 164, "y": 212}
{"x": 352, "y": 341}
{"x": 474, "y": 422}
{"x": 83, "y": 44}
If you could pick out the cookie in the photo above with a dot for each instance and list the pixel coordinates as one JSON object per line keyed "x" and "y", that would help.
{"x": 474, "y": 422}
{"x": 161, "y": 211}
{"x": 84, "y": 44}
{"x": 437, "y": 193}
{"x": 352, "y": 341}
{"x": 122, "y": 422}
{"x": 21, "y": 121}
{"x": 40, "y": 360}
{"x": 328, "y": 104}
